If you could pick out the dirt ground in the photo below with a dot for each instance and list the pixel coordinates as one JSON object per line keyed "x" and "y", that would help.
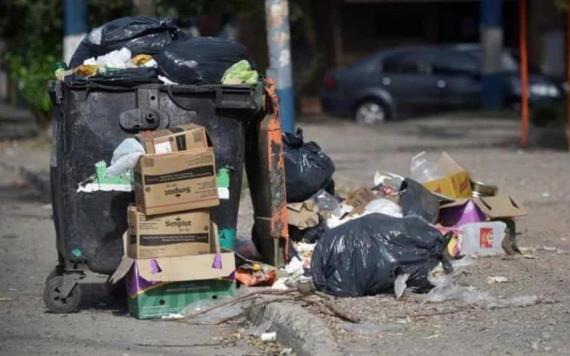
{"x": 539, "y": 177}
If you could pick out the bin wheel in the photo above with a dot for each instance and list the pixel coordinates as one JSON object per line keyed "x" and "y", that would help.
{"x": 53, "y": 299}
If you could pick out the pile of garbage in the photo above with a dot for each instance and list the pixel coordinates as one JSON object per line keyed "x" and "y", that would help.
{"x": 138, "y": 49}
{"x": 392, "y": 235}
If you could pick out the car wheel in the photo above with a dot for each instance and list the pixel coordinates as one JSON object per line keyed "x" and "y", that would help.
{"x": 370, "y": 112}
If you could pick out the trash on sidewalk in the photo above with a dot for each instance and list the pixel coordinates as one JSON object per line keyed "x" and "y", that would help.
{"x": 416, "y": 200}
{"x": 256, "y": 274}
{"x": 139, "y": 34}
{"x": 444, "y": 176}
{"x": 165, "y": 285}
{"x": 482, "y": 239}
{"x": 308, "y": 169}
{"x": 497, "y": 279}
{"x": 366, "y": 255}
{"x": 478, "y": 209}
{"x": 177, "y": 234}
{"x": 268, "y": 336}
{"x": 240, "y": 73}
{"x": 200, "y": 60}
{"x": 303, "y": 215}
{"x": 176, "y": 181}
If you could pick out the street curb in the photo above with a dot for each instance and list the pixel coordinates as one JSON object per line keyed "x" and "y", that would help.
{"x": 295, "y": 327}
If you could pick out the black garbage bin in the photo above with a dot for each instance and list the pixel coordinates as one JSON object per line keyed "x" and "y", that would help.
{"x": 90, "y": 121}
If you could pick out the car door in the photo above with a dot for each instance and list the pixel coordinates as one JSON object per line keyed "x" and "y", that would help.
{"x": 406, "y": 76}
{"x": 457, "y": 78}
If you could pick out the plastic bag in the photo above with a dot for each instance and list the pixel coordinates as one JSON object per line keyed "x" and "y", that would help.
{"x": 307, "y": 168}
{"x": 200, "y": 60}
{"x": 365, "y": 256}
{"x": 140, "y": 34}
{"x": 423, "y": 169}
{"x": 416, "y": 200}
{"x": 125, "y": 157}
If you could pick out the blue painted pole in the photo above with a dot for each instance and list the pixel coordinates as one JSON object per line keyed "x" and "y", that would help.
{"x": 491, "y": 37}
{"x": 280, "y": 70}
{"x": 74, "y": 26}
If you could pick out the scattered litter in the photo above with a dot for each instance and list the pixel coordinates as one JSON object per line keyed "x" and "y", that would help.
{"x": 545, "y": 194}
{"x": 497, "y": 279}
{"x": 308, "y": 169}
{"x": 256, "y": 274}
{"x": 268, "y": 336}
{"x": 364, "y": 256}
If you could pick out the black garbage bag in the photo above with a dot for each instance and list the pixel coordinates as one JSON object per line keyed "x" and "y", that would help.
{"x": 307, "y": 168}
{"x": 364, "y": 256}
{"x": 415, "y": 199}
{"x": 140, "y": 34}
{"x": 308, "y": 235}
{"x": 125, "y": 77}
{"x": 200, "y": 60}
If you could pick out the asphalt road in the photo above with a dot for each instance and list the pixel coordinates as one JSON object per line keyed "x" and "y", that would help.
{"x": 103, "y": 326}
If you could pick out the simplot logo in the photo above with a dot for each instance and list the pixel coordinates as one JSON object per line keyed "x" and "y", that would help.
{"x": 177, "y": 191}
{"x": 178, "y": 223}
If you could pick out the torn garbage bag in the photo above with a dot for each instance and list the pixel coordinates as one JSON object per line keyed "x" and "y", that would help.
{"x": 200, "y": 60}
{"x": 416, "y": 200}
{"x": 140, "y": 34}
{"x": 366, "y": 255}
{"x": 307, "y": 168}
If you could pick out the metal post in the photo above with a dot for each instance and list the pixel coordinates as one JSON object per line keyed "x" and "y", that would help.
{"x": 568, "y": 74}
{"x": 277, "y": 17}
{"x": 491, "y": 34}
{"x": 75, "y": 26}
{"x": 524, "y": 71}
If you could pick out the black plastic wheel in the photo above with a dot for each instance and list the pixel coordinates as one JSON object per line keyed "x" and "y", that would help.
{"x": 53, "y": 299}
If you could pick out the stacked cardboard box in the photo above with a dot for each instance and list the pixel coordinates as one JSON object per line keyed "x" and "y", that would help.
{"x": 172, "y": 254}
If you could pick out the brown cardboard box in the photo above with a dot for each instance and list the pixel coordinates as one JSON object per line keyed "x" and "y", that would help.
{"x": 497, "y": 207}
{"x": 176, "y": 181}
{"x": 359, "y": 199}
{"x": 175, "y": 139}
{"x": 177, "y": 234}
{"x": 455, "y": 184}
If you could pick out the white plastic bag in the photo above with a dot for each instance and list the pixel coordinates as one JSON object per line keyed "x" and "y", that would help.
{"x": 125, "y": 157}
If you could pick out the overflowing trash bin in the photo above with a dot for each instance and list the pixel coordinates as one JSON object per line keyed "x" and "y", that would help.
{"x": 100, "y": 110}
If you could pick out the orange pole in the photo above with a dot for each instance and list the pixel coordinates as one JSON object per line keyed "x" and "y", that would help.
{"x": 568, "y": 75}
{"x": 524, "y": 71}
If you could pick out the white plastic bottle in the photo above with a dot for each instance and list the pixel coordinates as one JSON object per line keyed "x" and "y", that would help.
{"x": 482, "y": 239}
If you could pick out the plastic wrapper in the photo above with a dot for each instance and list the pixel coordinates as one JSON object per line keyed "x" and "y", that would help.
{"x": 307, "y": 168}
{"x": 140, "y": 34}
{"x": 365, "y": 256}
{"x": 125, "y": 157}
{"x": 416, "y": 200}
{"x": 200, "y": 60}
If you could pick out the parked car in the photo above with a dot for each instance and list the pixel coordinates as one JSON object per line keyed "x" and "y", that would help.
{"x": 389, "y": 82}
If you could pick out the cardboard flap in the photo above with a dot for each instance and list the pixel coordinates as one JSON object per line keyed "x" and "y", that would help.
{"x": 122, "y": 270}
{"x": 448, "y": 165}
{"x": 185, "y": 268}
{"x": 500, "y": 206}
{"x": 454, "y": 203}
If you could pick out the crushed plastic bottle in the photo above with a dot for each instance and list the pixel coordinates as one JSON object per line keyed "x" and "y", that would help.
{"x": 422, "y": 169}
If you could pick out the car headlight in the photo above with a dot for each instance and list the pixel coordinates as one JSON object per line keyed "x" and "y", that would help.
{"x": 544, "y": 89}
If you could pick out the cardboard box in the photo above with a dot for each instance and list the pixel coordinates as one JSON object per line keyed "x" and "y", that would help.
{"x": 463, "y": 211}
{"x": 165, "y": 285}
{"x": 455, "y": 184}
{"x": 175, "y": 139}
{"x": 176, "y": 181}
{"x": 177, "y": 234}
{"x": 359, "y": 199}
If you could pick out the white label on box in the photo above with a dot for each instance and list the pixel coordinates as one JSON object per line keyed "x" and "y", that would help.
{"x": 223, "y": 193}
{"x": 162, "y": 147}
